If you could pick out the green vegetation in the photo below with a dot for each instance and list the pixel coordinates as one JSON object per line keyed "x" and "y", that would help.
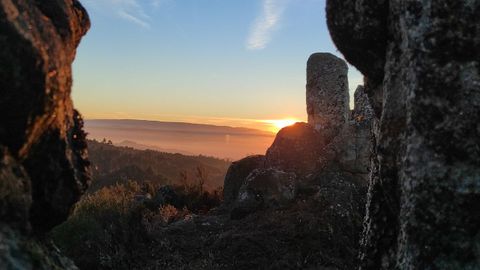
{"x": 109, "y": 228}
{"x": 134, "y": 193}
{"x": 112, "y": 165}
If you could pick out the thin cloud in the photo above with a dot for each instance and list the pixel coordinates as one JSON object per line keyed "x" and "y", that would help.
{"x": 129, "y": 10}
{"x": 265, "y": 24}
{"x": 159, "y": 3}
{"x": 129, "y": 17}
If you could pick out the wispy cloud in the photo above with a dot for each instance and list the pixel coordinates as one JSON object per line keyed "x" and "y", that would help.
{"x": 129, "y": 10}
{"x": 129, "y": 17}
{"x": 159, "y": 3}
{"x": 266, "y": 23}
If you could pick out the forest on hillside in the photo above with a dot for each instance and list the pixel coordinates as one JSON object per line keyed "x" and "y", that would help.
{"x": 117, "y": 165}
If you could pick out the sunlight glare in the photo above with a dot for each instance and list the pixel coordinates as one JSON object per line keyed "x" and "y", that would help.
{"x": 278, "y": 124}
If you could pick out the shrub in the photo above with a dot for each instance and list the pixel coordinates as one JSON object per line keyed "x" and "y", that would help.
{"x": 108, "y": 225}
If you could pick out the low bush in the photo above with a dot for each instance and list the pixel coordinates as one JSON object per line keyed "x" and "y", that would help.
{"x": 108, "y": 225}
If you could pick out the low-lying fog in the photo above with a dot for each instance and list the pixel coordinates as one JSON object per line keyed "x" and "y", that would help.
{"x": 190, "y": 139}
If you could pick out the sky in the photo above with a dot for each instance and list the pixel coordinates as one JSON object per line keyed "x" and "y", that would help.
{"x": 223, "y": 62}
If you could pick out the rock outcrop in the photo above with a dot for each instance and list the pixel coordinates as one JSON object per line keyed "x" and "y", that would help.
{"x": 318, "y": 229}
{"x": 296, "y": 149}
{"x": 327, "y": 93}
{"x": 268, "y": 188}
{"x": 421, "y": 66}
{"x": 325, "y": 163}
{"x": 39, "y": 126}
{"x": 44, "y": 167}
{"x": 335, "y": 139}
{"x": 236, "y": 175}
{"x": 351, "y": 149}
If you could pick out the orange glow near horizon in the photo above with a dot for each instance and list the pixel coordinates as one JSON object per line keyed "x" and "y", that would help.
{"x": 278, "y": 124}
{"x": 268, "y": 125}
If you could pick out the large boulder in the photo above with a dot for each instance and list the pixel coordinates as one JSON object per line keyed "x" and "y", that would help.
{"x": 296, "y": 149}
{"x": 421, "y": 63}
{"x": 269, "y": 188}
{"x": 38, "y": 125}
{"x": 327, "y": 93}
{"x": 237, "y": 174}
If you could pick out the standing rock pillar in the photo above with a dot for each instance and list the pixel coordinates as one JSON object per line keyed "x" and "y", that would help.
{"x": 327, "y": 93}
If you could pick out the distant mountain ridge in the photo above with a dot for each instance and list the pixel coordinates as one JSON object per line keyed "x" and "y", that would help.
{"x": 186, "y": 138}
{"x": 139, "y": 146}
{"x": 177, "y": 126}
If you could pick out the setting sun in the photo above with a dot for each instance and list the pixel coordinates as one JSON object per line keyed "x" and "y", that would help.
{"x": 278, "y": 124}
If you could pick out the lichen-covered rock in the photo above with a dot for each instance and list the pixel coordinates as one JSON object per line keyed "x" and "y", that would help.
{"x": 296, "y": 149}
{"x": 350, "y": 151}
{"x": 269, "y": 188}
{"x": 362, "y": 110}
{"x": 38, "y": 125}
{"x": 422, "y": 74}
{"x": 327, "y": 93}
{"x": 237, "y": 174}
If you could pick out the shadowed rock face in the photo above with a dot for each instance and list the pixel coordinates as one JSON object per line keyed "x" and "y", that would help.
{"x": 421, "y": 62}
{"x": 236, "y": 175}
{"x": 15, "y": 192}
{"x": 43, "y": 159}
{"x": 39, "y": 127}
{"x": 264, "y": 188}
{"x": 296, "y": 149}
{"x": 327, "y": 93}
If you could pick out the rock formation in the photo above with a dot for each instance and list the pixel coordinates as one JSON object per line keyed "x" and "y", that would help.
{"x": 341, "y": 143}
{"x": 421, "y": 67}
{"x": 327, "y": 93}
{"x": 296, "y": 149}
{"x": 353, "y": 146}
{"x": 363, "y": 111}
{"x": 43, "y": 160}
{"x": 236, "y": 175}
{"x": 268, "y": 188}
{"x": 326, "y": 165}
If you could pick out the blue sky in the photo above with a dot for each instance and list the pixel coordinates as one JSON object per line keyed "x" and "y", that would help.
{"x": 228, "y": 62}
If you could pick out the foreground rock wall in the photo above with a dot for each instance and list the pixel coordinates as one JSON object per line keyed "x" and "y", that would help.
{"x": 421, "y": 62}
{"x": 43, "y": 160}
{"x": 38, "y": 125}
